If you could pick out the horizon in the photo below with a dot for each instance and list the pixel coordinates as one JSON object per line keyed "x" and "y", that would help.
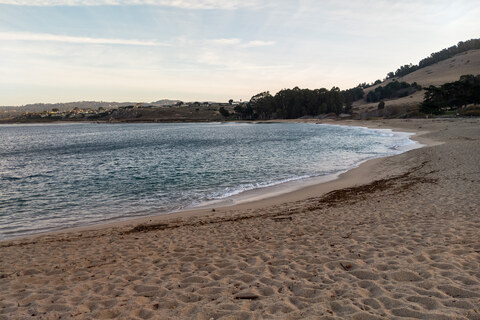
{"x": 117, "y": 102}
{"x": 65, "y": 51}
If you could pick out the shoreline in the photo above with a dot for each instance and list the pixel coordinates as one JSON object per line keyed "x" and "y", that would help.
{"x": 396, "y": 238}
{"x": 265, "y": 196}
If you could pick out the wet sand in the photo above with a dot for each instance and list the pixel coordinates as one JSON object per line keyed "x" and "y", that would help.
{"x": 396, "y": 238}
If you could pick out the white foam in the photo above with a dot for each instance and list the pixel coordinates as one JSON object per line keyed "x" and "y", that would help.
{"x": 262, "y": 190}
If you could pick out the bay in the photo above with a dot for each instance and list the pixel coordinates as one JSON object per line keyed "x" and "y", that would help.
{"x": 59, "y": 176}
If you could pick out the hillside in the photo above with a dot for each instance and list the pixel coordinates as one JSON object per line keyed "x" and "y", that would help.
{"x": 448, "y": 70}
{"x": 6, "y": 112}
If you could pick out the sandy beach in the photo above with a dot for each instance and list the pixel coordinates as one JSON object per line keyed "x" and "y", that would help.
{"x": 396, "y": 238}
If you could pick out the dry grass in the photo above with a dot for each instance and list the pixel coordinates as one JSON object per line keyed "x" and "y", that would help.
{"x": 437, "y": 74}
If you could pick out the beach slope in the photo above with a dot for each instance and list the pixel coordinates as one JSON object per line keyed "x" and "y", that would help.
{"x": 404, "y": 243}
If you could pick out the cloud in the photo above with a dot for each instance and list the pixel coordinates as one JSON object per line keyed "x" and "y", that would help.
{"x": 185, "y": 4}
{"x": 258, "y": 43}
{"x": 225, "y": 41}
{"x": 239, "y": 42}
{"x": 27, "y": 36}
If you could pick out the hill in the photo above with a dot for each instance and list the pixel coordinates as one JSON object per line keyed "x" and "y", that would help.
{"x": 10, "y": 111}
{"x": 448, "y": 70}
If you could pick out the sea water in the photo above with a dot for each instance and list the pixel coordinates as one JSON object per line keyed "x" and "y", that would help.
{"x": 58, "y": 176}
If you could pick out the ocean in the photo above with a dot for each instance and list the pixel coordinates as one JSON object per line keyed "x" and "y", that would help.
{"x": 58, "y": 176}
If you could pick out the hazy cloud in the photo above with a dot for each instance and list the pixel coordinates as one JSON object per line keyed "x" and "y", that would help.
{"x": 226, "y": 42}
{"x": 139, "y": 52}
{"x": 186, "y": 4}
{"x": 240, "y": 43}
{"x": 27, "y": 36}
{"x": 258, "y": 43}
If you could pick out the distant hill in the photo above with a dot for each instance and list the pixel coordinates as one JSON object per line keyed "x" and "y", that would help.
{"x": 448, "y": 70}
{"x": 164, "y": 102}
{"x": 10, "y": 111}
{"x": 444, "y": 54}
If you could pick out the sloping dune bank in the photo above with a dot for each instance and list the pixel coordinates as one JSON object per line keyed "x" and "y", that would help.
{"x": 395, "y": 238}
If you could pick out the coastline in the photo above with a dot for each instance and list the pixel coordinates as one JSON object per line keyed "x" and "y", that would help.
{"x": 263, "y": 197}
{"x": 394, "y": 237}
{"x": 364, "y": 173}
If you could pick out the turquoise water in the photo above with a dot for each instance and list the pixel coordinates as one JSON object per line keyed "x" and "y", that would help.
{"x": 65, "y": 175}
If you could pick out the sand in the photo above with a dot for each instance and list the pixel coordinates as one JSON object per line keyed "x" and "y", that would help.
{"x": 396, "y": 238}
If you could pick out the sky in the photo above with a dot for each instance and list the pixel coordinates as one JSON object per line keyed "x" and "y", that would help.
{"x": 214, "y": 50}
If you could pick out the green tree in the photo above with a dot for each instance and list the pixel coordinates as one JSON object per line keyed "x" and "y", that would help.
{"x": 381, "y": 105}
{"x": 224, "y": 112}
{"x": 456, "y": 94}
{"x": 244, "y": 111}
{"x": 262, "y": 105}
{"x": 350, "y": 96}
{"x": 239, "y": 109}
{"x": 433, "y": 101}
{"x": 335, "y": 100}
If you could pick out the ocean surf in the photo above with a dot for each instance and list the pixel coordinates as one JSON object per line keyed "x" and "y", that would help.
{"x": 55, "y": 176}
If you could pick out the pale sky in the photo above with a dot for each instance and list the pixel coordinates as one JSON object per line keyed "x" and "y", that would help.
{"x": 146, "y": 50}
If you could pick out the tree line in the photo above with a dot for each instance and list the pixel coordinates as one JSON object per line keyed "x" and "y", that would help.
{"x": 456, "y": 94}
{"x": 296, "y": 103}
{"x": 435, "y": 57}
{"x": 392, "y": 90}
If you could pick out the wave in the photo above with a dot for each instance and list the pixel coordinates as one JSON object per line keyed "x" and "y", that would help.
{"x": 233, "y": 191}
{"x": 175, "y": 167}
{"x": 33, "y": 176}
{"x": 402, "y": 144}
